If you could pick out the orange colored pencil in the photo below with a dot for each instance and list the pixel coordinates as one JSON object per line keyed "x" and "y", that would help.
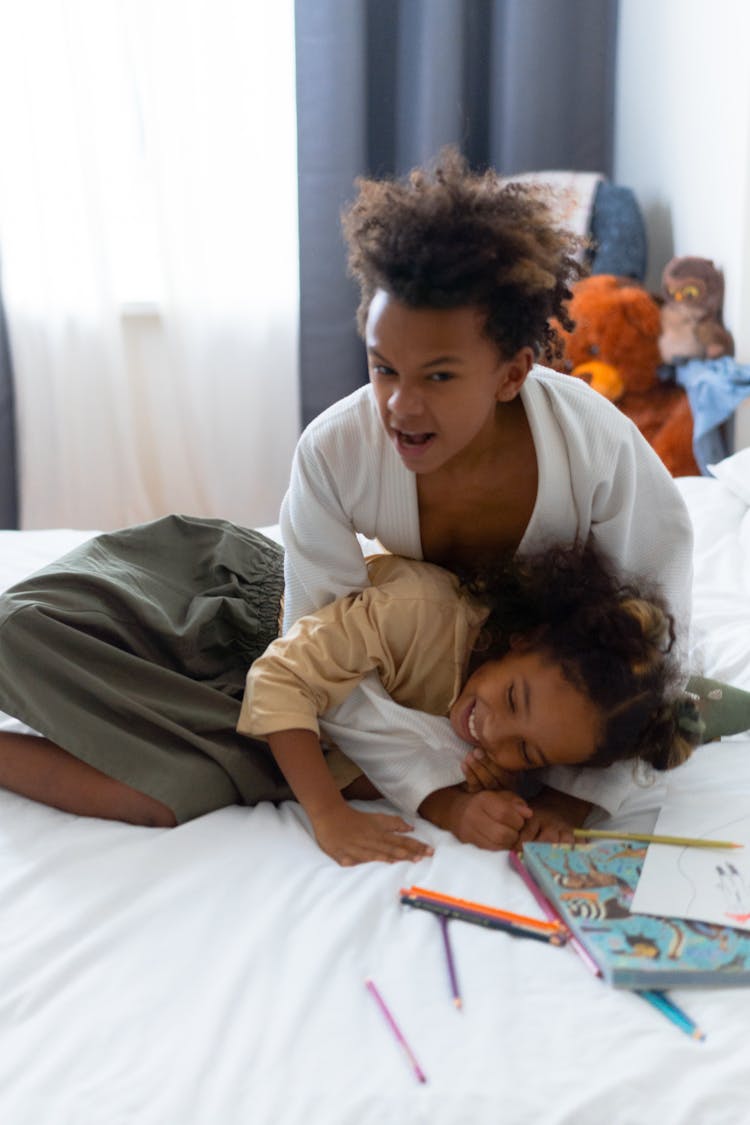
{"x": 492, "y": 911}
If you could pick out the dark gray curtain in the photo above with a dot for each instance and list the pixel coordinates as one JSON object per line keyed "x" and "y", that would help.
{"x": 522, "y": 85}
{"x": 8, "y": 487}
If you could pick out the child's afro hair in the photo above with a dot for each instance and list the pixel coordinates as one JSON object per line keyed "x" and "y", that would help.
{"x": 446, "y": 237}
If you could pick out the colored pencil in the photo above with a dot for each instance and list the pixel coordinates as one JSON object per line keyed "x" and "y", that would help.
{"x": 370, "y": 986}
{"x": 451, "y": 964}
{"x": 554, "y": 937}
{"x": 657, "y": 999}
{"x": 547, "y": 908}
{"x": 672, "y": 1011}
{"x": 642, "y": 837}
{"x": 490, "y": 911}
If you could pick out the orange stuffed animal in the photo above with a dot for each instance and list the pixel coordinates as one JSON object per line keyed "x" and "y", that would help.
{"x": 614, "y": 347}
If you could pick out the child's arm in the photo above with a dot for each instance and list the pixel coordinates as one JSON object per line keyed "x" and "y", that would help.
{"x": 344, "y": 833}
{"x": 491, "y": 819}
{"x": 323, "y": 559}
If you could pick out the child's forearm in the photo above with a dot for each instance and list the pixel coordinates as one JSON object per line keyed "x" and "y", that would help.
{"x": 443, "y": 807}
{"x": 301, "y": 760}
{"x": 344, "y": 833}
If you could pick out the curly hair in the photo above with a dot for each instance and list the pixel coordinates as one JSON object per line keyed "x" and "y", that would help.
{"x": 612, "y": 640}
{"x": 446, "y": 238}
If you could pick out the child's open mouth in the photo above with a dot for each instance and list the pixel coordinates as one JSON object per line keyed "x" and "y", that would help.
{"x": 464, "y": 723}
{"x": 412, "y": 444}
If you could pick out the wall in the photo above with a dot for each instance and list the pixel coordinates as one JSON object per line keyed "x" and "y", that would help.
{"x": 682, "y": 137}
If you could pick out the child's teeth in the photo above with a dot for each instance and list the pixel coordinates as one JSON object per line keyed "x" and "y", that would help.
{"x": 472, "y": 724}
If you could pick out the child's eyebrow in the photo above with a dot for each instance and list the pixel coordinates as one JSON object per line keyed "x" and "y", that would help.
{"x": 442, "y": 359}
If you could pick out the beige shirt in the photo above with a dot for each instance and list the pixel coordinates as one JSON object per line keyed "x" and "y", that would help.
{"x": 413, "y": 626}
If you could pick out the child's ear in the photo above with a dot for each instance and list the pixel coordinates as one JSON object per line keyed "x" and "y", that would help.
{"x": 513, "y": 374}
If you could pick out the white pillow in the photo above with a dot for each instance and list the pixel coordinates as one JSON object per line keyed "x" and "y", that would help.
{"x": 734, "y": 473}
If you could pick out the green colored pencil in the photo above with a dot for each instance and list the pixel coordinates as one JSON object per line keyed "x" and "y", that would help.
{"x": 642, "y": 837}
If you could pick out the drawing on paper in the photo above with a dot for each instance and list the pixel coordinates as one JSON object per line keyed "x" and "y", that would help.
{"x": 704, "y": 885}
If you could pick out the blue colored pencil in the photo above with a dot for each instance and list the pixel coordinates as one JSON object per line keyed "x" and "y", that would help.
{"x": 672, "y": 1011}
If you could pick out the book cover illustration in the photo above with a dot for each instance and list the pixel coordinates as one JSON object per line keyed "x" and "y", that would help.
{"x": 592, "y": 887}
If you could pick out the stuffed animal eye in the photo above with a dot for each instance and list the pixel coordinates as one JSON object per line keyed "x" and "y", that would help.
{"x": 689, "y": 292}
{"x": 593, "y": 349}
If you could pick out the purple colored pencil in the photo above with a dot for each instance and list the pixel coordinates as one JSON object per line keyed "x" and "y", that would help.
{"x": 370, "y": 985}
{"x": 450, "y": 963}
{"x": 549, "y": 912}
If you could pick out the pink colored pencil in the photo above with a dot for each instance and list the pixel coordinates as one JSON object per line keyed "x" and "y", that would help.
{"x": 370, "y": 985}
{"x": 548, "y": 909}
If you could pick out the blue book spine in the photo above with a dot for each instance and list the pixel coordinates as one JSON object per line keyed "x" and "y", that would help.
{"x": 592, "y": 887}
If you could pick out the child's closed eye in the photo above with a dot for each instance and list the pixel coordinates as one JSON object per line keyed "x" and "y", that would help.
{"x": 440, "y": 376}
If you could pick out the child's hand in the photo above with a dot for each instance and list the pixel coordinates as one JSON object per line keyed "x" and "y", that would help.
{"x": 481, "y": 772}
{"x": 489, "y": 819}
{"x": 547, "y": 827}
{"x": 554, "y": 816}
{"x": 351, "y": 837}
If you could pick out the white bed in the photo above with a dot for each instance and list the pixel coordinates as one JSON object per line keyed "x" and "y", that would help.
{"x": 214, "y": 974}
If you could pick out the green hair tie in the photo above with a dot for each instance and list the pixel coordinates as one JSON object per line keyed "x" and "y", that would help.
{"x": 719, "y": 708}
{"x": 688, "y": 716}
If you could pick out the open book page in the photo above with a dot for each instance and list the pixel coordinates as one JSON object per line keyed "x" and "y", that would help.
{"x": 707, "y": 885}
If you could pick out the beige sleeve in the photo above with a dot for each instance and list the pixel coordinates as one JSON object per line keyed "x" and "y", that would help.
{"x": 392, "y": 629}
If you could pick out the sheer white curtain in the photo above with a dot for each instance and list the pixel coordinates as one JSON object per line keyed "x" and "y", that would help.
{"x": 148, "y": 235}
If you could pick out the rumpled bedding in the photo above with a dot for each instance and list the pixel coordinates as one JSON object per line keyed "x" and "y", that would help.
{"x": 214, "y": 974}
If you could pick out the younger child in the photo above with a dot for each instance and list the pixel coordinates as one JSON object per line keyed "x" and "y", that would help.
{"x": 129, "y": 655}
{"x": 549, "y": 660}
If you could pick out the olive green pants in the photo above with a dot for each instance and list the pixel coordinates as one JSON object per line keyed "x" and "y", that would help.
{"x": 131, "y": 652}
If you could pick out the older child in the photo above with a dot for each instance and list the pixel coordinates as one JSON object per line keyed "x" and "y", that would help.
{"x": 460, "y": 446}
{"x": 548, "y": 660}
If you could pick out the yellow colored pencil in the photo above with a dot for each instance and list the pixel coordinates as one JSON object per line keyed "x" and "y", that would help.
{"x": 644, "y": 838}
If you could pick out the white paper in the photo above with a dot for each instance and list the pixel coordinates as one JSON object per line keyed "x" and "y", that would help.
{"x": 707, "y": 885}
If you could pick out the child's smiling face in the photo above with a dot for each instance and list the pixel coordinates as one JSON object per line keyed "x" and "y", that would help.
{"x": 524, "y": 714}
{"x": 437, "y": 379}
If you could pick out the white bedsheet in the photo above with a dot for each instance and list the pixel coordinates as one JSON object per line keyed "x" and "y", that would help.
{"x": 214, "y": 974}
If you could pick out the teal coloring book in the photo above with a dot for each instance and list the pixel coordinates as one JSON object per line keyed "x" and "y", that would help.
{"x": 592, "y": 885}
